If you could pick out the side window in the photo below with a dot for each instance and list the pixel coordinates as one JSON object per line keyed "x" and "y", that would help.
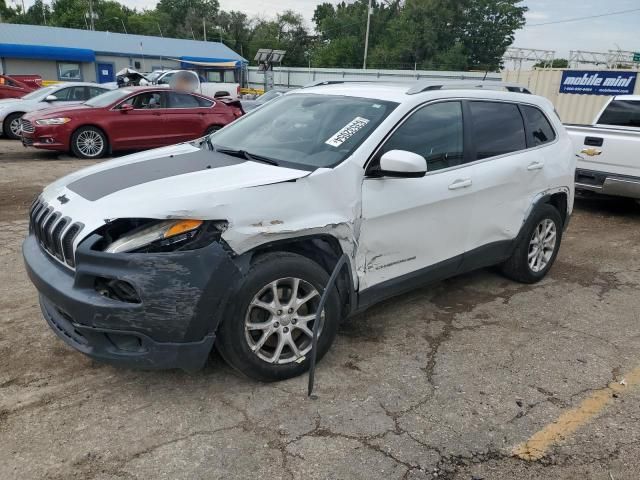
{"x": 64, "y": 94}
{"x": 435, "y": 132}
{"x": 147, "y": 101}
{"x": 79, "y": 94}
{"x": 95, "y": 91}
{"x": 182, "y": 100}
{"x": 166, "y": 79}
{"x": 539, "y": 127}
{"x": 203, "y": 102}
{"x": 498, "y": 128}
{"x": 622, "y": 113}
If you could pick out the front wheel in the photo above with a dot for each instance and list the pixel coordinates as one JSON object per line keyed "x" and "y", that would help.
{"x": 89, "y": 142}
{"x": 212, "y": 129}
{"x": 537, "y": 247}
{"x": 268, "y": 336}
{"x": 13, "y": 126}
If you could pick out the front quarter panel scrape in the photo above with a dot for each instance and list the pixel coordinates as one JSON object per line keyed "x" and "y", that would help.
{"x": 327, "y": 202}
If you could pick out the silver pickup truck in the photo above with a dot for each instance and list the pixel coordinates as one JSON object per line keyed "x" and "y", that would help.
{"x": 609, "y": 150}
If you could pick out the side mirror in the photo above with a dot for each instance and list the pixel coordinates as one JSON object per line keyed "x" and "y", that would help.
{"x": 402, "y": 164}
{"x": 50, "y": 98}
{"x": 126, "y": 107}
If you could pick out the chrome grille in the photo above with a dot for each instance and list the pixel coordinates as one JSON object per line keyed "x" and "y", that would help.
{"x": 54, "y": 232}
{"x": 27, "y": 126}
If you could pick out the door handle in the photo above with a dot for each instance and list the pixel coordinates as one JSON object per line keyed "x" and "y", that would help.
{"x": 593, "y": 141}
{"x": 460, "y": 183}
{"x": 535, "y": 166}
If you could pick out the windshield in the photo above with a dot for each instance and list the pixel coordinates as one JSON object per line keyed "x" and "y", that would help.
{"x": 306, "y": 130}
{"x": 38, "y": 94}
{"x": 107, "y": 98}
{"x": 154, "y": 75}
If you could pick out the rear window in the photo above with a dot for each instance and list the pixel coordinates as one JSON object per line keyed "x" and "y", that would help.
{"x": 540, "y": 129}
{"x": 497, "y": 128}
{"x": 622, "y": 113}
{"x": 182, "y": 100}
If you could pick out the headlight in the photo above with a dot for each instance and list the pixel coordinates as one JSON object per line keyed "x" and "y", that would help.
{"x": 167, "y": 235}
{"x": 53, "y": 121}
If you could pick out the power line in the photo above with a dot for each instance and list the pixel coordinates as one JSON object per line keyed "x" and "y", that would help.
{"x": 576, "y": 19}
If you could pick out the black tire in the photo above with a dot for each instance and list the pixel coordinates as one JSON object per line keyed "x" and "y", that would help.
{"x": 81, "y": 133}
{"x": 6, "y": 126}
{"x": 517, "y": 267}
{"x": 212, "y": 128}
{"x": 232, "y": 339}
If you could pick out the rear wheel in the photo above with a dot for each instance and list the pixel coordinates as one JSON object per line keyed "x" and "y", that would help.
{"x": 12, "y": 126}
{"x": 212, "y": 128}
{"x": 537, "y": 248}
{"x": 89, "y": 142}
{"x": 268, "y": 336}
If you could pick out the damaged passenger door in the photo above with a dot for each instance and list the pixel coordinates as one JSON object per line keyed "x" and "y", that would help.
{"x": 415, "y": 229}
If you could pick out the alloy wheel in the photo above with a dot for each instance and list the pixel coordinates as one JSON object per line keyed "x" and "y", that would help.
{"x": 279, "y": 320}
{"x": 16, "y": 126}
{"x": 542, "y": 245}
{"x": 90, "y": 143}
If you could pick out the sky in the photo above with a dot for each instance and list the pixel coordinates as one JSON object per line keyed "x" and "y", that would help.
{"x": 596, "y": 34}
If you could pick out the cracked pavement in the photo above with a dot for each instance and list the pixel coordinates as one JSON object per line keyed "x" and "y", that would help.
{"x": 439, "y": 383}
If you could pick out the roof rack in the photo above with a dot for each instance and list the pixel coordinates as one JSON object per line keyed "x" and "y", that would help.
{"x": 319, "y": 83}
{"x": 426, "y": 86}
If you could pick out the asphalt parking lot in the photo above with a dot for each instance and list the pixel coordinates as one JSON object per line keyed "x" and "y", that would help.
{"x": 476, "y": 377}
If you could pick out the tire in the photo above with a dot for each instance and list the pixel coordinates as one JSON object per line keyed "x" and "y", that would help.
{"x": 89, "y": 142}
{"x": 522, "y": 269}
{"x": 9, "y": 125}
{"x": 211, "y": 129}
{"x": 249, "y": 350}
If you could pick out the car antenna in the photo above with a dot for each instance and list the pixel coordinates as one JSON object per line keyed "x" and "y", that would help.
{"x": 344, "y": 259}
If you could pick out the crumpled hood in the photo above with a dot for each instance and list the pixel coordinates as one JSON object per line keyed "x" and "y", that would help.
{"x": 180, "y": 181}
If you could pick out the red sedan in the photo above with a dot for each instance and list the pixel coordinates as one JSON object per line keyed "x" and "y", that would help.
{"x": 132, "y": 118}
{"x": 11, "y": 87}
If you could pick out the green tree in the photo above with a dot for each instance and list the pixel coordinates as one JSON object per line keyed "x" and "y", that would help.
{"x": 556, "y": 63}
{"x": 286, "y": 32}
{"x": 185, "y": 17}
{"x": 488, "y": 29}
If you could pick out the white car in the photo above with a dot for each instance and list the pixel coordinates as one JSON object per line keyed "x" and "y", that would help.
{"x": 60, "y": 94}
{"x": 609, "y": 149}
{"x": 151, "y": 259}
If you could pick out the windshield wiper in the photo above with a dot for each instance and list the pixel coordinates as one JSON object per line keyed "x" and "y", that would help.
{"x": 247, "y": 156}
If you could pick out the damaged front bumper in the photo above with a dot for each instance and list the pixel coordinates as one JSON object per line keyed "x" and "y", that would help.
{"x": 135, "y": 309}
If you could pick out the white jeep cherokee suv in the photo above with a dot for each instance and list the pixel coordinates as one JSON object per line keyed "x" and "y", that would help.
{"x": 152, "y": 259}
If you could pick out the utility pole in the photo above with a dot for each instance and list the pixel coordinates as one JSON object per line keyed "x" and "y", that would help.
{"x": 204, "y": 29}
{"x": 160, "y": 30}
{"x": 366, "y": 38}
{"x": 93, "y": 27}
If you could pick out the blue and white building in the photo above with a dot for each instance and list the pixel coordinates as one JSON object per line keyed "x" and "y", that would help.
{"x": 71, "y": 54}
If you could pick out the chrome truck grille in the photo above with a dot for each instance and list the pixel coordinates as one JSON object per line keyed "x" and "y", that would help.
{"x": 54, "y": 232}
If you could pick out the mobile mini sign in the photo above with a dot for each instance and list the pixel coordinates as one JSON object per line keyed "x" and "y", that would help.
{"x": 598, "y": 82}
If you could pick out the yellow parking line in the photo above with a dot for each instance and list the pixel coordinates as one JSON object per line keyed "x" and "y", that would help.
{"x": 567, "y": 423}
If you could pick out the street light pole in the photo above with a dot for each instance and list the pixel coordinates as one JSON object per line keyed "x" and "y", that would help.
{"x": 122, "y": 22}
{"x": 366, "y": 38}
{"x": 91, "y": 19}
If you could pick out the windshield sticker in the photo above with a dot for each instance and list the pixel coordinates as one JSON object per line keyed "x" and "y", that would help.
{"x": 346, "y": 132}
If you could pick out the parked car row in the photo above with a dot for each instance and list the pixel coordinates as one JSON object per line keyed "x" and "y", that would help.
{"x": 131, "y": 118}
{"x": 89, "y": 120}
{"x": 60, "y": 94}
